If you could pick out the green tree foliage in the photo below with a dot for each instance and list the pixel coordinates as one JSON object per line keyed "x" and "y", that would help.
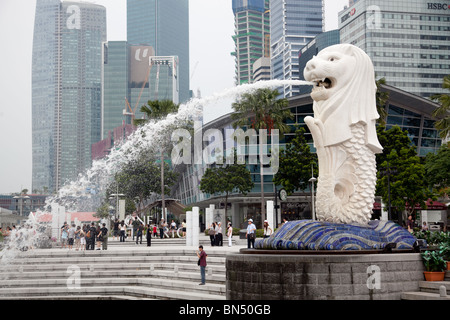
{"x": 103, "y": 211}
{"x": 408, "y": 185}
{"x": 226, "y": 179}
{"x": 156, "y": 110}
{"x": 262, "y": 110}
{"x": 295, "y": 164}
{"x": 382, "y": 98}
{"x": 443, "y": 112}
{"x": 258, "y": 110}
{"x": 141, "y": 177}
{"x": 437, "y": 167}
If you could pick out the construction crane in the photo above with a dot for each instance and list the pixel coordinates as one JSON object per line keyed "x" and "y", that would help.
{"x": 131, "y": 113}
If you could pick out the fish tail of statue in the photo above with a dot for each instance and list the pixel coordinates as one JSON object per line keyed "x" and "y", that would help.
{"x": 346, "y": 186}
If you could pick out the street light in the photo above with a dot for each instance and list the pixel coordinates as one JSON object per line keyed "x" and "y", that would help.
{"x": 117, "y": 195}
{"x": 387, "y": 172}
{"x": 21, "y": 197}
{"x": 312, "y": 180}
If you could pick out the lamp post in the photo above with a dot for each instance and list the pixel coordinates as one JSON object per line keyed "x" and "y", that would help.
{"x": 387, "y": 172}
{"x": 313, "y": 211}
{"x": 117, "y": 195}
{"x": 21, "y": 197}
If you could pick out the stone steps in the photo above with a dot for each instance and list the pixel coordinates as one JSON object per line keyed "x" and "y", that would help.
{"x": 429, "y": 290}
{"x": 116, "y": 274}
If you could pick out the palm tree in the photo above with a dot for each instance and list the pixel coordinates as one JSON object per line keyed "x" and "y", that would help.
{"x": 443, "y": 112}
{"x": 157, "y": 110}
{"x": 262, "y": 110}
{"x": 382, "y": 98}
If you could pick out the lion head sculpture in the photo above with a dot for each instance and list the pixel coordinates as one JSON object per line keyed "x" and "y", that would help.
{"x": 344, "y": 93}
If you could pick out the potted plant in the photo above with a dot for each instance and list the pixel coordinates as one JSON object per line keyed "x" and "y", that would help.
{"x": 444, "y": 251}
{"x": 434, "y": 265}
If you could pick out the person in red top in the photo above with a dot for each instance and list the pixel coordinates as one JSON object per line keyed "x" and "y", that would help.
{"x": 201, "y": 254}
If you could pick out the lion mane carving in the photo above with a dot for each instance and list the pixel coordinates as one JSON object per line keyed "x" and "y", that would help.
{"x": 344, "y": 133}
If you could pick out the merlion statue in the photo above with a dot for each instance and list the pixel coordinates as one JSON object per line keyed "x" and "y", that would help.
{"x": 343, "y": 129}
{"x": 344, "y": 133}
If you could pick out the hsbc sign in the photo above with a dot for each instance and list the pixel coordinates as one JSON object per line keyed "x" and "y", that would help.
{"x": 438, "y": 6}
{"x": 346, "y": 16}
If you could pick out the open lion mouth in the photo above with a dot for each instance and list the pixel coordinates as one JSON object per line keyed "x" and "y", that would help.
{"x": 320, "y": 84}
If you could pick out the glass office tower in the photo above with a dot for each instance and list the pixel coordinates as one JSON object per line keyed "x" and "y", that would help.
{"x": 164, "y": 25}
{"x": 293, "y": 23}
{"x": 251, "y": 36}
{"x": 408, "y": 41}
{"x": 66, "y": 89}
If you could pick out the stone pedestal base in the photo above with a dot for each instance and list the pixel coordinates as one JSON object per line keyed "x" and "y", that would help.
{"x": 355, "y": 276}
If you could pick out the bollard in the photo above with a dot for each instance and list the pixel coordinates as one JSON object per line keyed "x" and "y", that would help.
{"x": 442, "y": 291}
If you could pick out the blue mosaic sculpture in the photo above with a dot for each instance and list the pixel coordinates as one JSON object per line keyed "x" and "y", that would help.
{"x": 321, "y": 235}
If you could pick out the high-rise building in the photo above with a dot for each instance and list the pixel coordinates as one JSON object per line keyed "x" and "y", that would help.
{"x": 66, "y": 89}
{"x": 132, "y": 76}
{"x": 293, "y": 23}
{"x": 408, "y": 41}
{"x": 251, "y": 36}
{"x": 115, "y": 84}
{"x": 164, "y": 25}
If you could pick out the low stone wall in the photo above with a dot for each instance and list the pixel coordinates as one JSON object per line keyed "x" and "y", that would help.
{"x": 322, "y": 277}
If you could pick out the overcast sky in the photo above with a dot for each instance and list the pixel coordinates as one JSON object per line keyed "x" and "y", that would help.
{"x": 212, "y": 68}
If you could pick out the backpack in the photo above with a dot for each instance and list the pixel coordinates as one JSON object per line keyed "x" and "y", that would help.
{"x": 88, "y": 235}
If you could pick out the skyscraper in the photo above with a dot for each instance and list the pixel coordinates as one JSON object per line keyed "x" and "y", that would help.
{"x": 66, "y": 89}
{"x": 164, "y": 25}
{"x": 293, "y": 23}
{"x": 133, "y": 75}
{"x": 251, "y": 36}
{"x": 408, "y": 41}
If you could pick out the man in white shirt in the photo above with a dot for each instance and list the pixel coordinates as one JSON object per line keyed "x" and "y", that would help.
{"x": 251, "y": 234}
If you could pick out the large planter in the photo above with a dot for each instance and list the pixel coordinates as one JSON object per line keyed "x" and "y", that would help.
{"x": 448, "y": 265}
{"x": 434, "y": 276}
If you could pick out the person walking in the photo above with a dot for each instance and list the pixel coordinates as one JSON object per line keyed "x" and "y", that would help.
{"x": 161, "y": 228}
{"x": 104, "y": 237}
{"x": 155, "y": 231}
{"x": 140, "y": 230}
{"x": 267, "y": 229}
{"x": 173, "y": 228}
{"x": 82, "y": 240}
{"x": 219, "y": 235}
{"x": 183, "y": 226}
{"x": 149, "y": 235}
{"x": 230, "y": 234}
{"x": 201, "y": 254}
{"x": 99, "y": 237}
{"x": 135, "y": 225}
{"x": 116, "y": 229}
{"x": 64, "y": 235}
{"x": 93, "y": 234}
{"x": 71, "y": 236}
{"x": 77, "y": 238}
{"x": 212, "y": 234}
{"x": 122, "y": 230}
{"x": 250, "y": 235}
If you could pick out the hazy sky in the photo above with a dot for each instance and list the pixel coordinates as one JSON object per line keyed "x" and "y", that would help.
{"x": 211, "y": 67}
